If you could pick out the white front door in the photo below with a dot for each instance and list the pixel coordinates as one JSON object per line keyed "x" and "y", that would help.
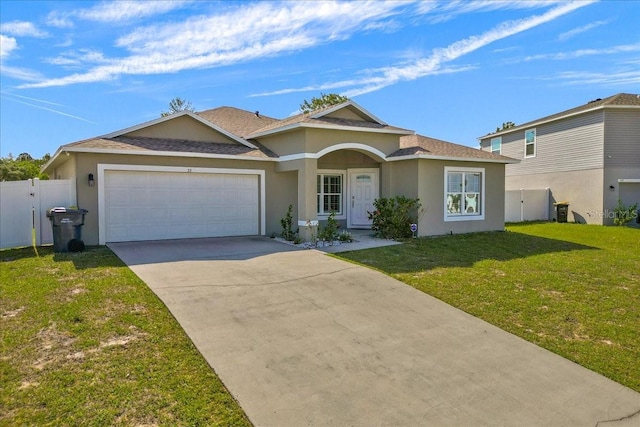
{"x": 363, "y": 190}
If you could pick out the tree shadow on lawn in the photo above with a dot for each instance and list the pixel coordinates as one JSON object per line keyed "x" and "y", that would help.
{"x": 462, "y": 250}
{"x": 91, "y": 257}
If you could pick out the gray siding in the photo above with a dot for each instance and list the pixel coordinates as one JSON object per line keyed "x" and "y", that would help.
{"x": 622, "y": 137}
{"x": 570, "y": 144}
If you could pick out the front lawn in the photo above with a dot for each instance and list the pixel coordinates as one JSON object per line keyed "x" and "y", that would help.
{"x": 85, "y": 343}
{"x": 570, "y": 288}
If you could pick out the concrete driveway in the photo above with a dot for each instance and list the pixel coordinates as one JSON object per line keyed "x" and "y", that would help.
{"x": 300, "y": 338}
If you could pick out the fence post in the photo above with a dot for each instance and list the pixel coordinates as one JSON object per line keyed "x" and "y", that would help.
{"x": 35, "y": 209}
{"x": 548, "y": 199}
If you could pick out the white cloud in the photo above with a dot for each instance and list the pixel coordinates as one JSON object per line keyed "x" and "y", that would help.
{"x": 77, "y": 58}
{"x": 617, "y": 78}
{"x": 568, "y": 34}
{"x": 22, "y": 29}
{"x": 238, "y": 35}
{"x": 7, "y": 45}
{"x": 379, "y": 78}
{"x": 21, "y": 73}
{"x": 114, "y": 12}
{"x": 59, "y": 20}
{"x": 586, "y": 52}
{"x": 118, "y": 11}
{"x": 445, "y": 11}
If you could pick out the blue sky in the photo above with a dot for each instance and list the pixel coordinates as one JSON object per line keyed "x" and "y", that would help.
{"x": 452, "y": 70}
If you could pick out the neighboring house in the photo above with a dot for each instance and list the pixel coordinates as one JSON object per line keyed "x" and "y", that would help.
{"x": 588, "y": 156}
{"x": 229, "y": 172}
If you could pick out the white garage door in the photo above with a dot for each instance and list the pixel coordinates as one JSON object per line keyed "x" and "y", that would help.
{"x": 141, "y": 205}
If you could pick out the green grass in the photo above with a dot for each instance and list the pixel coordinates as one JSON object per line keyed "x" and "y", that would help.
{"x": 573, "y": 289}
{"x": 85, "y": 343}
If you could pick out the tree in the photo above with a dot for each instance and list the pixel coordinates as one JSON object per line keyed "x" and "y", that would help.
{"x": 505, "y": 126}
{"x": 176, "y": 105}
{"x": 22, "y": 167}
{"x": 325, "y": 100}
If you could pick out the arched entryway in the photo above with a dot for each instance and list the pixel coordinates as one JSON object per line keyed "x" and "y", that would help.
{"x": 347, "y": 183}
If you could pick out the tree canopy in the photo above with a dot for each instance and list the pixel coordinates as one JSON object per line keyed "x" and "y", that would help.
{"x": 505, "y": 126}
{"x": 325, "y": 100}
{"x": 176, "y": 105}
{"x": 22, "y": 167}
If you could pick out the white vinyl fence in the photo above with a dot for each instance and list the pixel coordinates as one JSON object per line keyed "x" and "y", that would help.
{"x": 526, "y": 205}
{"x": 23, "y": 209}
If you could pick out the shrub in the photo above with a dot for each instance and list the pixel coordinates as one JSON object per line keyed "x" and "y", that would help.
{"x": 624, "y": 214}
{"x": 330, "y": 231}
{"x": 345, "y": 237}
{"x": 392, "y": 218}
{"x": 287, "y": 226}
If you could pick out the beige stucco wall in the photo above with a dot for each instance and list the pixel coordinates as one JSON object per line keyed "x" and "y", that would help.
{"x": 399, "y": 178}
{"x": 431, "y": 193}
{"x": 294, "y": 182}
{"x": 276, "y": 201}
{"x": 424, "y": 179}
{"x": 583, "y": 190}
{"x": 65, "y": 170}
{"x": 185, "y": 128}
{"x": 345, "y": 159}
{"x": 308, "y": 140}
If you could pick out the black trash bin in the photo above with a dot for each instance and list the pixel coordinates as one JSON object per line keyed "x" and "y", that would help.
{"x": 67, "y": 229}
{"x": 562, "y": 211}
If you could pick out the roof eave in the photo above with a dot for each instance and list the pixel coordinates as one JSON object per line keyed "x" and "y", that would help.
{"x": 160, "y": 153}
{"x": 543, "y": 121}
{"x": 52, "y": 160}
{"x": 300, "y": 125}
{"x": 452, "y": 158}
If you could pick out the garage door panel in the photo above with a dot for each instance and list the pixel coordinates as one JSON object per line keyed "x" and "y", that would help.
{"x": 141, "y": 205}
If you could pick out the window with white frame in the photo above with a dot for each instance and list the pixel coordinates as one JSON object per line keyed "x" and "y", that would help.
{"x": 330, "y": 186}
{"x": 530, "y": 143}
{"x": 464, "y": 194}
{"x": 496, "y": 145}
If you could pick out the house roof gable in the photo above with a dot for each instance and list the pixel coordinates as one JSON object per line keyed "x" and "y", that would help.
{"x": 358, "y": 119}
{"x": 175, "y": 116}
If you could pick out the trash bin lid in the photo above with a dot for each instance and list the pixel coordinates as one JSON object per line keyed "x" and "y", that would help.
{"x": 61, "y": 210}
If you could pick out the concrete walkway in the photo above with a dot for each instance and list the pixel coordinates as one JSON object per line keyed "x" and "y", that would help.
{"x": 302, "y": 339}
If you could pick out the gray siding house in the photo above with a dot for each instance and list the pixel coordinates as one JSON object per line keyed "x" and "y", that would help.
{"x": 588, "y": 156}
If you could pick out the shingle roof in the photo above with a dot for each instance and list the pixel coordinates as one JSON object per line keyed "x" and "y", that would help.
{"x": 126, "y": 143}
{"x": 423, "y": 145}
{"x": 311, "y": 117}
{"x": 238, "y": 122}
{"x": 620, "y": 99}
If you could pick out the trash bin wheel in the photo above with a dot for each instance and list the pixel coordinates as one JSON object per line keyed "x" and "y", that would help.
{"x": 76, "y": 245}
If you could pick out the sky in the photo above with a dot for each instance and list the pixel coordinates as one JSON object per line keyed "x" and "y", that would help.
{"x": 452, "y": 70}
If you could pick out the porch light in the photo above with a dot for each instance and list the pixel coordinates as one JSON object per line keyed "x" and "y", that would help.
{"x": 92, "y": 182}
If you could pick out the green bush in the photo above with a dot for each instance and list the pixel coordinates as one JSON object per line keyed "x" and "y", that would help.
{"x": 392, "y": 218}
{"x": 624, "y": 214}
{"x": 329, "y": 233}
{"x": 287, "y": 226}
